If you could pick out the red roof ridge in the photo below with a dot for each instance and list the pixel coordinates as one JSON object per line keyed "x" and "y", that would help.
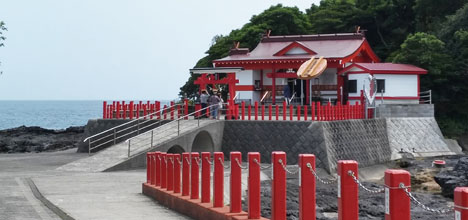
{"x": 314, "y": 37}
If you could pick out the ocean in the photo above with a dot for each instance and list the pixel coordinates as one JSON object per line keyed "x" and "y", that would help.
{"x": 48, "y": 114}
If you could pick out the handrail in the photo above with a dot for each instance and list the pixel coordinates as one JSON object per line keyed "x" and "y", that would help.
{"x": 292, "y": 97}
{"x": 110, "y": 129}
{"x": 264, "y": 96}
{"x": 129, "y": 140}
{"x": 425, "y": 94}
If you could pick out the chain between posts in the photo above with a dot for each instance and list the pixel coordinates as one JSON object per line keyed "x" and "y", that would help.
{"x": 186, "y": 159}
{"x": 418, "y": 203}
{"x": 262, "y": 168}
{"x": 351, "y": 173}
{"x": 318, "y": 178}
{"x": 178, "y": 161}
{"x": 286, "y": 169}
{"x": 240, "y": 165}
{"x": 225, "y": 167}
{"x": 196, "y": 161}
{"x": 209, "y": 162}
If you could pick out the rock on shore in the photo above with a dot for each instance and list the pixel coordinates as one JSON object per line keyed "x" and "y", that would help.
{"x": 450, "y": 179}
{"x": 37, "y": 139}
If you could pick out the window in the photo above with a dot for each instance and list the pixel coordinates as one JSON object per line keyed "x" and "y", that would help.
{"x": 381, "y": 85}
{"x": 352, "y": 86}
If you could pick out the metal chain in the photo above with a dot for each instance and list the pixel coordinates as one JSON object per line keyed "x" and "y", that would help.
{"x": 286, "y": 169}
{"x": 351, "y": 173}
{"x": 209, "y": 162}
{"x": 222, "y": 163}
{"x": 197, "y": 161}
{"x": 179, "y": 161}
{"x": 188, "y": 161}
{"x": 262, "y": 168}
{"x": 320, "y": 179}
{"x": 172, "y": 160}
{"x": 418, "y": 203}
{"x": 240, "y": 165}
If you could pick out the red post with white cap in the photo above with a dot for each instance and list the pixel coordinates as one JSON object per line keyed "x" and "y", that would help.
{"x": 235, "y": 182}
{"x": 298, "y": 113}
{"x": 176, "y": 173}
{"x": 348, "y": 206}
{"x": 170, "y": 172}
{"x": 163, "y": 170}
{"x": 277, "y": 112}
{"x": 278, "y": 198}
{"x": 306, "y": 187}
{"x": 256, "y": 111}
{"x": 218, "y": 179}
{"x": 205, "y": 175}
{"x": 185, "y": 174}
{"x": 290, "y": 112}
{"x": 397, "y": 203}
{"x": 461, "y": 203}
{"x": 194, "y": 181}
{"x": 306, "y": 112}
{"x": 263, "y": 112}
{"x": 254, "y": 185}
{"x": 249, "y": 112}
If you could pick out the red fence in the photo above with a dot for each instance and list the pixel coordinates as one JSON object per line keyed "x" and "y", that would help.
{"x": 161, "y": 166}
{"x": 131, "y": 110}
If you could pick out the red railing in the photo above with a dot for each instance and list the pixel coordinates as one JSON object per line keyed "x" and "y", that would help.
{"x": 397, "y": 188}
{"x": 131, "y": 110}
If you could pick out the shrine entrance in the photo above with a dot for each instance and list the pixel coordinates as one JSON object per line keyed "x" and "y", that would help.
{"x": 212, "y": 78}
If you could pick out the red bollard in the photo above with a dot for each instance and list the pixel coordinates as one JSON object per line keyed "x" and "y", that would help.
{"x": 306, "y": 112}
{"x": 205, "y": 175}
{"x": 254, "y": 185}
{"x": 218, "y": 179}
{"x": 277, "y": 112}
{"x": 117, "y": 109}
{"x": 104, "y": 110}
{"x": 397, "y": 203}
{"x": 269, "y": 112}
{"x": 158, "y": 109}
{"x": 348, "y": 208}
{"x": 243, "y": 110}
{"x": 185, "y": 174}
{"x": 131, "y": 110}
{"x": 306, "y": 187}
{"x": 157, "y": 168}
{"x": 172, "y": 110}
{"x": 163, "y": 170}
{"x": 195, "y": 189}
{"x": 176, "y": 173}
{"x": 312, "y": 111}
{"x": 298, "y": 113}
{"x": 263, "y": 112}
{"x": 149, "y": 168}
{"x": 137, "y": 111}
{"x": 256, "y": 111}
{"x": 124, "y": 108}
{"x": 144, "y": 111}
{"x": 170, "y": 172}
{"x": 278, "y": 187}
{"x": 249, "y": 112}
{"x": 461, "y": 203}
{"x": 319, "y": 111}
{"x": 284, "y": 110}
{"x": 236, "y": 182}
{"x": 290, "y": 112}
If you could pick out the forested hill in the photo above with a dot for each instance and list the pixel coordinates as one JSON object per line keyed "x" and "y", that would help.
{"x": 431, "y": 34}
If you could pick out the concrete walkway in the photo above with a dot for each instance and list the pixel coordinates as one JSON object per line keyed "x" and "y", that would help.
{"x": 80, "y": 196}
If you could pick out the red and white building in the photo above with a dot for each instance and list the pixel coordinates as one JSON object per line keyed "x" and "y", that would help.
{"x": 263, "y": 72}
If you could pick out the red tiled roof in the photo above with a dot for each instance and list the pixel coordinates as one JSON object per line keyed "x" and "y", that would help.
{"x": 389, "y": 67}
{"x": 328, "y": 46}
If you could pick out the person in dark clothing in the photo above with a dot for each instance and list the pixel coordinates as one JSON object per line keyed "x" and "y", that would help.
{"x": 204, "y": 102}
{"x": 287, "y": 93}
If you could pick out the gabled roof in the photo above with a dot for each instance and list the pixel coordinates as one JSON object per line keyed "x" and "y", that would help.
{"x": 337, "y": 46}
{"x": 385, "y": 68}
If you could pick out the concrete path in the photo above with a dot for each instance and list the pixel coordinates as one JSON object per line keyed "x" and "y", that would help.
{"x": 81, "y": 196}
{"x": 118, "y": 153}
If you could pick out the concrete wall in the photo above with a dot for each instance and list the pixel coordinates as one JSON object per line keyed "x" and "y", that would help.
{"x": 402, "y": 110}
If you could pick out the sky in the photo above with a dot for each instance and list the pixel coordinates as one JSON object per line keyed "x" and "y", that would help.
{"x": 112, "y": 49}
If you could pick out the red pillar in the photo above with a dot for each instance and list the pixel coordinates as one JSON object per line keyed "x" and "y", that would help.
{"x": 306, "y": 112}
{"x": 269, "y": 112}
{"x": 144, "y": 111}
{"x": 298, "y": 112}
{"x": 306, "y": 187}
{"x": 254, "y": 185}
{"x": 278, "y": 198}
{"x": 149, "y": 168}
{"x": 284, "y": 110}
{"x": 312, "y": 111}
{"x": 117, "y": 115}
{"x": 218, "y": 179}
{"x": 172, "y": 110}
{"x": 170, "y": 172}
{"x": 131, "y": 110}
{"x": 138, "y": 111}
{"x": 461, "y": 203}
{"x": 163, "y": 170}
{"x": 158, "y": 109}
{"x": 177, "y": 163}
{"x": 277, "y": 112}
{"x": 104, "y": 110}
{"x": 165, "y": 111}
{"x": 195, "y": 191}
{"x": 185, "y": 174}
{"x": 235, "y": 183}
{"x": 348, "y": 208}
{"x": 157, "y": 167}
{"x": 206, "y": 171}
{"x": 263, "y": 112}
{"x": 256, "y": 110}
{"x": 243, "y": 110}
{"x": 397, "y": 203}
{"x": 290, "y": 112}
{"x": 124, "y": 108}
{"x": 319, "y": 111}
{"x": 249, "y": 111}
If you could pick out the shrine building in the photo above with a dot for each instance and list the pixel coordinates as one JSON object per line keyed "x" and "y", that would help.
{"x": 262, "y": 74}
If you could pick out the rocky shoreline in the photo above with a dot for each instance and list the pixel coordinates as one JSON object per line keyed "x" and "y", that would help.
{"x": 36, "y": 139}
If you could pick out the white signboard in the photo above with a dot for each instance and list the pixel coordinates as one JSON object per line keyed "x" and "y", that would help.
{"x": 370, "y": 89}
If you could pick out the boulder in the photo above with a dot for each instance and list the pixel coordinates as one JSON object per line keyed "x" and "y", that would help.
{"x": 449, "y": 179}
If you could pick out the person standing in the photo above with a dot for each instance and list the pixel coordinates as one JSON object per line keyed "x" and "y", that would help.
{"x": 204, "y": 102}
{"x": 214, "y": 103}
{"x": 287, "y": 93}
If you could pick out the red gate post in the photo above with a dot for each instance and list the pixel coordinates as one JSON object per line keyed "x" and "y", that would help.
{"x": 157, "y": 168}
{"x": 149, "y": 168}
{"x": 278, "y": 187}
{"x": 177, "y": 173}
{"x": 256, "y": 110}
{"x": 290, "y": 112}
{"x": 249, "y": 111}
{"x": 104, "y": 109}
{"x": 277, "y": 112}
{"x": 298, "y": 112}
{"x": 243, "y": 110}
{"x": 185, "y": 174}
{"x": 306, "y": 112}
{"x": 205, "y": 175}
{"x": 348, "y": 208}
{"x": 312, "y": 111}
{"x": 235, "y": 182}
{"x": 254, "y": 185}
{"x": 172, "y": 110}
{"x": 461, "y": 203}
{"x": 170, "y": 172}
{"x": 269, "y": 112}
{"x": 163, "y": 170}
{"x": 131, "y": 110}
{"x": 284, "y": 110}
{"x": 306, "y": 187}
{"x": 319, "y": 111}
{"x": 263, "y": 112}
{"x": 397, "y": 203}
{"x": 218, "y": 179}
{"x": 194, "y": 182}
{"x": 186, "y": 109}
